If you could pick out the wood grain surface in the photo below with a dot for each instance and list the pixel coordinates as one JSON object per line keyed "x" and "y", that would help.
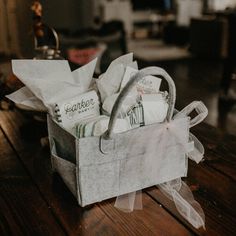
{"x": 34, "y": 201}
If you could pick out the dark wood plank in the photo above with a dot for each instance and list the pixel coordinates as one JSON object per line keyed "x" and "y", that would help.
{"x": 218, "y": 221}
{"x": 215, "y": 181}
{"x": 22, "y": 209}
{"x": 216, "y": 185}
{"x": 220, "y": 149}
{"x": 76, "y": 220}
{"x": 151, "y": 220}
{"x": 94, "y": 220}
{"x": 7, "y": 220}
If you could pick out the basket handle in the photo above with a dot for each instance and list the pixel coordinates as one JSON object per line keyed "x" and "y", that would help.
{"x": 157, "y": 71}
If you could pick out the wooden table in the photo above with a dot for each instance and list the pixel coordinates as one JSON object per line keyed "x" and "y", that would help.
{"x": 34, "y": 201}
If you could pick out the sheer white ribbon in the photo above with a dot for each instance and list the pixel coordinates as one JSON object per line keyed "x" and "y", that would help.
{"x": 179, "y": 192}
{"x": 176, "y": 189}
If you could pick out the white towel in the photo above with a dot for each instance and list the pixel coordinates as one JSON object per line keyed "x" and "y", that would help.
{"x": 155, "y": 108}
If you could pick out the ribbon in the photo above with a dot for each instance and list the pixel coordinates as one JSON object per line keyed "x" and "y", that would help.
{"x": 179, "y": 192}
{"x": 176, "y": 190}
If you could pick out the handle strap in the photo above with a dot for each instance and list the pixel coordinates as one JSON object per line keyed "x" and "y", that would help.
{"x": 199, "y": 107}
{"x": 156, "y": 71}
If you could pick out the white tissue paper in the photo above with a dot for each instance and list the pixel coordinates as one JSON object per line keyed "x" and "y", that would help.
{"x": 109, "y": 82}
{"x": 129, "y": 72}
{"x": 26, "y": 99}
{"x": 133, "y": 65}
{"x": 51, "y": 80}
{"x": 84, "y": 75}
{"x": 125, "y": 60}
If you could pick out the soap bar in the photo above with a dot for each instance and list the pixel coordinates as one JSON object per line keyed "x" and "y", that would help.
{"x": 148, "y": 85}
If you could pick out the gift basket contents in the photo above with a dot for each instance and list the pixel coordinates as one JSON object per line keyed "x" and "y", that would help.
{"x": 115, "y": 135}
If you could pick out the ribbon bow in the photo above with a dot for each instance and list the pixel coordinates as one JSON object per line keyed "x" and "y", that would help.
{"x": 172, "y": 133}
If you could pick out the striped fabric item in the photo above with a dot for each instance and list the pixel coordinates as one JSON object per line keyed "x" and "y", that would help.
{"x": 136, "y": 115}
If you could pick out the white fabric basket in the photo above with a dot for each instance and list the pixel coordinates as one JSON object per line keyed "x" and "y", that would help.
{"x": 98, "y": 168}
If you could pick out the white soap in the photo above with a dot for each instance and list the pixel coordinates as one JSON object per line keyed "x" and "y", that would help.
{"x": 148, "y": 85}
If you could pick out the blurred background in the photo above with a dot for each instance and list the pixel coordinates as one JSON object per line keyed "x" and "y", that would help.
{"x": 194, "y": 40}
